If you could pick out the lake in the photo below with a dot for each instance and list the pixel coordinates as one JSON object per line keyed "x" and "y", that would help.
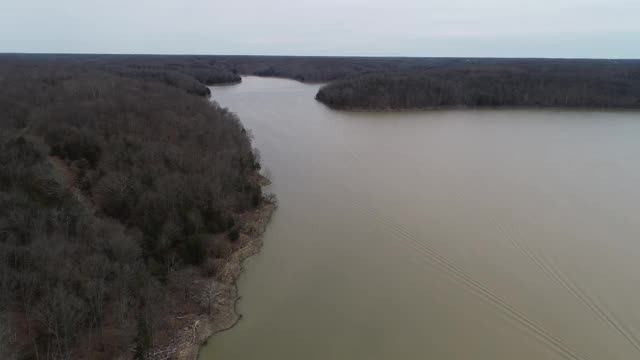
{"x": 459, "y": 234}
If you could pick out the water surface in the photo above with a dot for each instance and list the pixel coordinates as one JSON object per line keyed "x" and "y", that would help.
{"x": 509, "y": 234}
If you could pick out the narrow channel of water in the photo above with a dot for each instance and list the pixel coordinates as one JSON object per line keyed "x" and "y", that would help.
{"x": 510, "y": 234}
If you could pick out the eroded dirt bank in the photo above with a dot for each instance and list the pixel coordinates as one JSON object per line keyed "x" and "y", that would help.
{"x": 202, "y": 306}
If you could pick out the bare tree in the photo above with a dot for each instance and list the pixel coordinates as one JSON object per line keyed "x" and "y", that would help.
{"x": 96, "y": 268}
{"x": 210, "y": 295}
{"x": 61, "y": 313}
{"x": 5, "y": 335}
{"x": 5, "y": 278}
{"x": 27, "y": 290}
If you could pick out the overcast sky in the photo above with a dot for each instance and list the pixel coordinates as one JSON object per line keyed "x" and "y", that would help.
{"x": 501, "y": 28}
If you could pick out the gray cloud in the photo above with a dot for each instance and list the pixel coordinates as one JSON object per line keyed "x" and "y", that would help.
{"x": 543, "y": 28}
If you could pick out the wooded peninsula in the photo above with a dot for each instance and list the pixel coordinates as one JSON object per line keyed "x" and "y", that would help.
{"x": 493, "y": 83}
{"x": 123, "y": 195}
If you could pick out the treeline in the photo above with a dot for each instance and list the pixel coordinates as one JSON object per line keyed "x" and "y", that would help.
{"x": 109, "y": 186}
{"x": 535, "y": 83}
{"x": 190, "y": 74}
{"x": 324, "y": 69}
{"x": 220, "y": 69}
{"x": 193, "y": 72}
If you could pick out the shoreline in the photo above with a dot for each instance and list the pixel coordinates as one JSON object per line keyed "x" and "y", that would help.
{"x": 225, "y": 315}
{"x": 191, "y": 319}
{"x": 305, "y": 82}
{"x": 228, "y": 83}
{"x": 427, "y": 109}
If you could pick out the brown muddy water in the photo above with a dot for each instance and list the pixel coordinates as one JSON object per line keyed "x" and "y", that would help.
{"x": 471, "y": 234}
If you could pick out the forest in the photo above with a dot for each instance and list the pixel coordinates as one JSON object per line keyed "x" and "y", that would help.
{"x": 220, "y": 69}
{"x": 120, "y": 181}
{"x": 539, "y": 83}
{"x": 113, "y": 182}
{"x": 384, "y": 83}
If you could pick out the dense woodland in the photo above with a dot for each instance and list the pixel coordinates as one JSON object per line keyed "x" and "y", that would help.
{"x": 217, "y": 69}
{"x": 387, "y": 82}
{"x": 116, "y": 172}
{"x": 532, "y": 83}
{"x": 110, "y": 182}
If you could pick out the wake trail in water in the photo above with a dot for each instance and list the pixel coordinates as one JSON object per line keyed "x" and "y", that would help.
{"x": 551, "y": 271}
{"x": 472, "y": 285}
{"x": 556, "y": 275}
{"x": 458, "y": 274}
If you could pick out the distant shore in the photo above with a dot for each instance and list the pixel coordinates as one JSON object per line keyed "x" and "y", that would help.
{"x": 477, "y": 108}
{"x": 534, "y": 85}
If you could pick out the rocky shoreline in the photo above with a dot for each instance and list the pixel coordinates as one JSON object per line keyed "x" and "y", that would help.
{"x": 225, "y": 315}
{"x": 189, "y": 324}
